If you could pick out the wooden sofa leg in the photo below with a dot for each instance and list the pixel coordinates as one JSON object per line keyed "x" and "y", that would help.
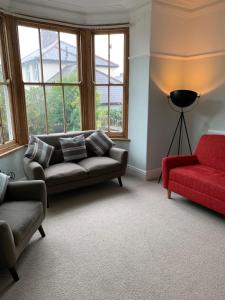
{"x": 41, "y": 230}
{"x": 120, "y": 181}
{"x": 14, "y": 274}
{"x": 169, "y": 194}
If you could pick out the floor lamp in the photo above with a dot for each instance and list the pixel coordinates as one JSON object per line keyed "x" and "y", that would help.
{"x": 181, "y": 99}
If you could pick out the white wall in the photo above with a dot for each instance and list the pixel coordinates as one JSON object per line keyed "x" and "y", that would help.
{"x": 169, "y": 27}
{"x": 139, "y": 88}
{"x": 206, "y": 71}
{"x": 166, "y": 74}
{"x": 207, "y": 31}
{"x": 13, "y": 163}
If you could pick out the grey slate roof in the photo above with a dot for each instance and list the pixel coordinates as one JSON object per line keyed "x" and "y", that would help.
{"x": 116, "y": 93}
{"x": 68, "y": 55}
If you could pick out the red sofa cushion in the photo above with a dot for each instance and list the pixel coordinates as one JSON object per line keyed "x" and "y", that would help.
{"x": 211, "y": 151}
{"x": 201, "y": 178}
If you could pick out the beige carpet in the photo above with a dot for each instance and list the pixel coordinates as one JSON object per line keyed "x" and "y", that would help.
{"x": 107, "y": 243}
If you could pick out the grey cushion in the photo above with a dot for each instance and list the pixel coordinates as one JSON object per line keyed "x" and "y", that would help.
{"x": 97, "y": 166}
{"x": 39, "y": 151}
{"x": 99, "y": 142}
{"x": 73, "y": 149}
{"x": 21, "y": 216}
{"x": 64, "y": 172}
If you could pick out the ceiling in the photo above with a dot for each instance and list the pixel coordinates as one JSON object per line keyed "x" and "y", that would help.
{"x": 84, "y": 6}
{"x": 191, "y": 5}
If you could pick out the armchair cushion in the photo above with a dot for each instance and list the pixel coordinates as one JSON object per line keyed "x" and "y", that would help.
{"x": 63, "y": 173}
{"x": 21, "y": 216}
{"x": 201, "y": 178}
{"x": 97, "y": 166}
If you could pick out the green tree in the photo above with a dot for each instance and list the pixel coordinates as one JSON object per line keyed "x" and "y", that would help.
{"x": 55, "y": 112}
{"x": 4, "y": 132}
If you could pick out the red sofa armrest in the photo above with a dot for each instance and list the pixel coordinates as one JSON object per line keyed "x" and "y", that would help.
{"x": 172, "y": 162}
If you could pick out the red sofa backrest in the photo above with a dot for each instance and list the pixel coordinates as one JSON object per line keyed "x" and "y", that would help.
{"x": 211, "y": 151}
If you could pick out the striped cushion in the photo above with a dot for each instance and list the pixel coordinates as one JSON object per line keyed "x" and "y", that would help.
{"x": 73, "y": 148}
{"x": 4, "y": 179}
{"x": 39, "y": 151}
{"x": 99, "y": 142}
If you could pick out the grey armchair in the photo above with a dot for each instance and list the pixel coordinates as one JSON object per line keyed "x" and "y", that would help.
{"x": 21, "y": 214}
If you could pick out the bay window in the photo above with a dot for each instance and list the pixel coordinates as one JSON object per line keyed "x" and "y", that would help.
{"x": 63, "y": 79}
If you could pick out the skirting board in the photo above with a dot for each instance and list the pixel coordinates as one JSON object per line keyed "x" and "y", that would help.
{"x": 153, "y": 174}
{"x": 146, "y": 175}
{"x": 136, "y": 172}
{"x": 212, "y": 131}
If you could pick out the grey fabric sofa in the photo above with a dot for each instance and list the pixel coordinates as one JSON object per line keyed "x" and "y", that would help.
{"x": 21, "y": 214}
{"x": 61, "y": 176}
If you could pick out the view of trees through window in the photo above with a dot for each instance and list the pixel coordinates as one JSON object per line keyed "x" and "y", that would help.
{"x": 109, "y": 81}
{"x": 50, "y": 68}
{"x": 51, "y": 80}
{"x": 6, "y": 130}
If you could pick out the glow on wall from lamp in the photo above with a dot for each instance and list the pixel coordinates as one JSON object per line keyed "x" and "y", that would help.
{"x": 202, "y": 75}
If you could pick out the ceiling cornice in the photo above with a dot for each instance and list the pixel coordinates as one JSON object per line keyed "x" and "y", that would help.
{"x": 198, "y": 9}
{"x": 75, "y": 15}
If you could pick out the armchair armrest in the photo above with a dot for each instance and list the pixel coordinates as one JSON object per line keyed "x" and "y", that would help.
{"x": 7, "y": 245}
{"x": 172, "y": 162}
{"x": 32, "y": 190}
{"x": 33, "y": 169}
{"x": 120, "y": 155}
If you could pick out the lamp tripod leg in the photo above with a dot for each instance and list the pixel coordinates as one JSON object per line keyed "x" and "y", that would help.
{"x": 186, "y": 131}
{"x": 175, "y": 132}
{"x": 171, "y": 144}
{"x": 180, "y": 133}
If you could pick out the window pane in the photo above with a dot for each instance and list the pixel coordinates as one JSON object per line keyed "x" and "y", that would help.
{"x": 6, "y": 133}
{"x": 116, "y": 109}
{"x": 68, "y": 48}
{"x": 101, "y": 107}
{"x": 54, "y": 100}
{"x": 50, "y": 55}
{"x": 1, "y": 70}
{"x": 30, "y": 53}
{"x": 72, "y": 108}
{"x": 102, "y": 58}
{"x": 117, "y": 58}
{"x": 35, "y": 105}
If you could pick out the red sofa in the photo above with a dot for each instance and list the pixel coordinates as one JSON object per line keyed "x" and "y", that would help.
{"x": 201, "y": 176}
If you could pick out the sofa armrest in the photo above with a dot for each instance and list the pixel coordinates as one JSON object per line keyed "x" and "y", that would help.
{"x": 120, "y": 155}
{"x": 172, "y": 162}
{"x": 33, "y": 169}
{"x": 32, "y": 190}
{"x": 7, "y": 245}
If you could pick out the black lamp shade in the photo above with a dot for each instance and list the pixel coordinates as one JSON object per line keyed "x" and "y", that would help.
{"x": 183, "y": 98}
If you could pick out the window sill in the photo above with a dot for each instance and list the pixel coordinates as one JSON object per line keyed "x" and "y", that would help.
{"x": 120, "y": 139}
{"x": 10, "y": 149}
